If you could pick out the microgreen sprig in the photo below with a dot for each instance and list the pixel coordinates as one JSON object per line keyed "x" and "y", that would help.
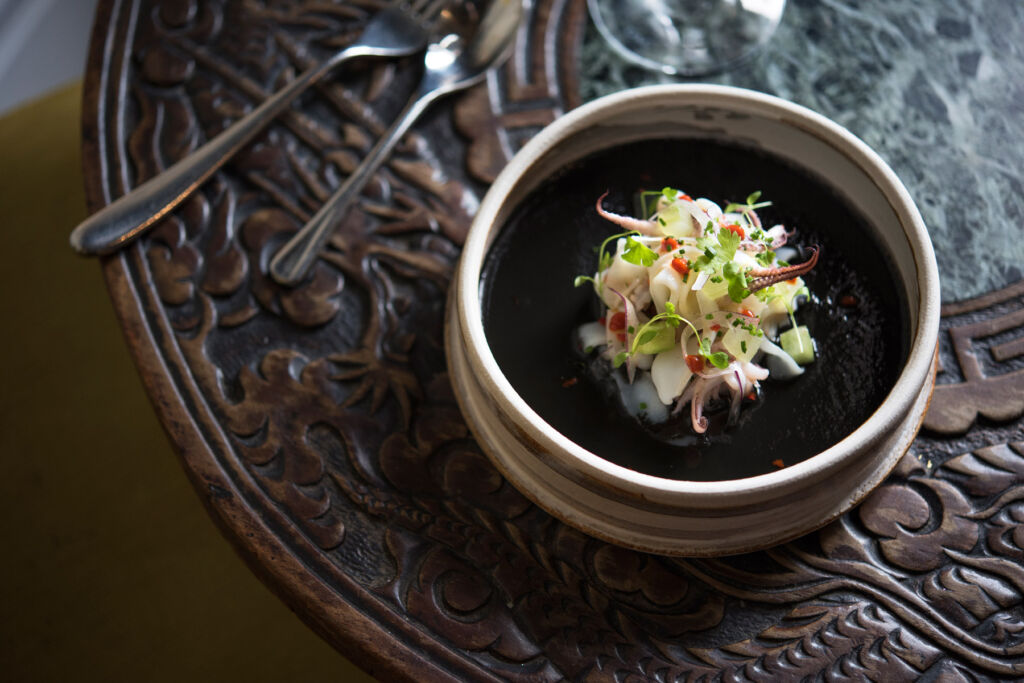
{"x": 647, "y": 332}
{"x": 649, "y": 203}
{"x": 604, "y": 258}
{"x": 803, "y": 291}
{"x": 751, "y": 205}
{"x": 636, "y": 252}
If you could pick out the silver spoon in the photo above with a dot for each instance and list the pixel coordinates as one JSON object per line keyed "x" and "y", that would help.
{"x": 398, "y": 30}
{"x": 452, "y": 62}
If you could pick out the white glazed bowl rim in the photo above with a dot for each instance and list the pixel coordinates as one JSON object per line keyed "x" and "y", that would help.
{"x": 886, "y": 417}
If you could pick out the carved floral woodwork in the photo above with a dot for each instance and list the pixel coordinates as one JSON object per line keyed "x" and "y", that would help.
{"x": 319, "y": 423}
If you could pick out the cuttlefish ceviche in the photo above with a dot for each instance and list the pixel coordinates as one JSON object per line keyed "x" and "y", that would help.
{"x": 693, "y": 297}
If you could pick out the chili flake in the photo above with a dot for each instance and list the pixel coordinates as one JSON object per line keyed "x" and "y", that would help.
{"x": 736, "y": 229}
{"x": 681, "y": 266}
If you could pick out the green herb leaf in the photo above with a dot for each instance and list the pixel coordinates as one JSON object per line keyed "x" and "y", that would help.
{"x": 730, "y": 241}
{"x": 765, "y": 258}
{"x": 638, "y": 253}
{"x": 619, "y": 359}
{"x": 719, "y": 359}
{"x": 737, "y": 278}
{"x": 718, "y": 249}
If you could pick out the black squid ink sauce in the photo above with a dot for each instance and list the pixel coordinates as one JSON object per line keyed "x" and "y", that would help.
{"x": 531, "y": 310}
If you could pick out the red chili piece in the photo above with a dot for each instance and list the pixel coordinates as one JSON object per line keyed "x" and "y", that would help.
{"x": 685, "y": 197}
{"x": 736, "y": 229}
{"x": 695, "y": 363}
{"x": 716, "y": 327}
{"x": 681, "y": 266}
{"x": 669, "y": 244}
{"x": 747, "y": 312}
{"x": 618, "y": 322}
{"x": 848, "y": 301}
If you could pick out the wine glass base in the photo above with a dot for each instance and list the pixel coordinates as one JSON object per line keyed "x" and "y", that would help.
{"x": 686, "y": 37}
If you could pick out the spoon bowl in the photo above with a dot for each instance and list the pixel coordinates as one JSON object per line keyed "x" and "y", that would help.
{"x": 460, "y": 56}
{"x": 396, "y": 31}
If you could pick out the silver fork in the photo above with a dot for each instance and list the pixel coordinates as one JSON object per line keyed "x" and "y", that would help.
{"x": 398, "y": 30}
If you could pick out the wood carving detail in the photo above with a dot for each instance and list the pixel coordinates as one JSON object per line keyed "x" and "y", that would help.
{"x": 336, "y": 404}
{"x": 991, "y": 384}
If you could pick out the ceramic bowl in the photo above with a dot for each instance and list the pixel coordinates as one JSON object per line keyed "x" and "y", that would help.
{"x": 696, "y": 518}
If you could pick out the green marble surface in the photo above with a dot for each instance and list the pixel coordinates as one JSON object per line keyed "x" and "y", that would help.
{"x": 936, "y": 87}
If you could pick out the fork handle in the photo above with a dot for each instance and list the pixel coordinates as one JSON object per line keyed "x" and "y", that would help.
{"x": 123, "y": 220}
{"x": 290, "y": 264}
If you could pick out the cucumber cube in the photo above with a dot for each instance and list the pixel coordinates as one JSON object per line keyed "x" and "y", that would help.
{"x": 797, "y": 343}
{"x": 741, "y": 344}
{"x": 664, "y": 338}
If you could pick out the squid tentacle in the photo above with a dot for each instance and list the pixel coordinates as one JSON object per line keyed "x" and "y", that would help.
{"x": 647, "y": 227}
{"x": 759, "y": 278}
{"x": 697, "y": 417}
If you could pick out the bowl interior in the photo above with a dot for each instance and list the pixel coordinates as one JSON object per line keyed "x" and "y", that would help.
{"x": 824, "y": 184}
{"x": 531, "y": 311}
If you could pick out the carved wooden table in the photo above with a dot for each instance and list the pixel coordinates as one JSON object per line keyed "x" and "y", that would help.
{"x": 318, "y": 424}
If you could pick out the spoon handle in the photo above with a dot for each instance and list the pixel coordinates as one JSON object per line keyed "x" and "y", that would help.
{"x": 293, "y": 260}
{"x": 123, "y": 220}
